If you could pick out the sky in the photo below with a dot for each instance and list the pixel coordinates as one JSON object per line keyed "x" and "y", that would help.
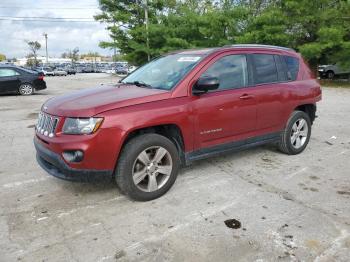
{"x": 62, "y": 36}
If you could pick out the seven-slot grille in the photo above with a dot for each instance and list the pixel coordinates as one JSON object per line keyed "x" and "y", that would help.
{"x": 46, "y": 124}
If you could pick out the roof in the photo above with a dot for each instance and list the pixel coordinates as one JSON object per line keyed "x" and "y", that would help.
{"x": 206, "y": 51}
{"x": 260, "y": 46}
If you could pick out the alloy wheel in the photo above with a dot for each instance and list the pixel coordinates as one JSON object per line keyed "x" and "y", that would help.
{"x": 26, "y": 89}
{"x": 152, "y": 169}
{"x": 299, "y": 133}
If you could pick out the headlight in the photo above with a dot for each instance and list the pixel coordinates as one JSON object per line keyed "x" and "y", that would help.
{"x": 320, "y": 69}
{"x": 82, "y": 126}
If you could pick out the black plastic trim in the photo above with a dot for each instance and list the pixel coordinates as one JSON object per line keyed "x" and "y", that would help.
{"x": 55, "y": 166}
{"x": 231, "y": 147}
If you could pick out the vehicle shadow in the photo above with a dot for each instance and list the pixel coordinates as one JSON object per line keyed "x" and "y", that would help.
{"x": 231, "y": 157}
{"x": 106, "y": 186}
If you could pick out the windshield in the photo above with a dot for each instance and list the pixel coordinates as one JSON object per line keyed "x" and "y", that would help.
{"x": 164, "y": 72}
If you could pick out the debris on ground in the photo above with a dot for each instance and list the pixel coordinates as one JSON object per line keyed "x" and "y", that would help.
{"x": 233, "y": 223}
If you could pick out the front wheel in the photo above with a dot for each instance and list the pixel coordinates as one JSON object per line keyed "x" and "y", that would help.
{"x": 296, "y": 135}
{"x": 26, "y": 89}
{"x": 147, "y": 167}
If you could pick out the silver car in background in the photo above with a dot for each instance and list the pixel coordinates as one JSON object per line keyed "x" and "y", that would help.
{"x": 60, "y": 72}
{"x": 331, "y": 71}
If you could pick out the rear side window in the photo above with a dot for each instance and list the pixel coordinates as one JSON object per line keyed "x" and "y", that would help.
{"x": 292, "y": 67}
{"x": 265, "y": 69}
{"x": 5, "y": 72}
{"x": 231, "y": 71}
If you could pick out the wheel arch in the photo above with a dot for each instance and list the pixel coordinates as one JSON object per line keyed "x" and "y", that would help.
{"x": 171, "y": 131}
{"x": 330, "y": 71}
{"x": 309, "y": 109}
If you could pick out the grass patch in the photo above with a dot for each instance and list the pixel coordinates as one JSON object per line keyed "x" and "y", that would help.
{"x": 335, "y": 83}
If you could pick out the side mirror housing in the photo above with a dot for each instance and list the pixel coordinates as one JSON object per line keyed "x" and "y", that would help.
{"x": 205, "y": 84}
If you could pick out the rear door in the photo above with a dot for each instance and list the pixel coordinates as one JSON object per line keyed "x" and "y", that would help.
{"x": 269, "y": 85}
{"x": 9, "y": 80}
{"x": 224, "y": 114}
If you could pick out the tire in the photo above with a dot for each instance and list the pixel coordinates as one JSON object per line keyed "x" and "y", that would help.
{"x": 296, "y": 136}
{"x": 26, "y": 89}
{"x": 133, "y": 161}
{"x": 330, "y": 74}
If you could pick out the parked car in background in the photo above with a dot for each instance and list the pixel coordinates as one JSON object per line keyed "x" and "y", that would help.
{"x": 331, "y": 71}
{"x": 87, "y": 69}
{"x": 47, "y": 71}
{"x": 131, "y": 69}
{"x": 70, "y": 70}
{"x": 179, "y": 108}
{"x": 60, "y": 72}
{"x": 20, "y": 80}
{"x": 121, "y": 70}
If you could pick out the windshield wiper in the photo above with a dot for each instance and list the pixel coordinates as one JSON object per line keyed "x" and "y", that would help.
{"x": 139, "y": 84}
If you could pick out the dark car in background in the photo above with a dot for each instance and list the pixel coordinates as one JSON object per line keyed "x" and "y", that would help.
{"x": 19, "y": 80}
{"x": 121, "y": 70}
{"x": 71, "y": 70}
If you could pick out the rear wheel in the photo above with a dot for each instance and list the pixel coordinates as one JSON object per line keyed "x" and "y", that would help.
{"x": 296, "y": 136}
{"x": 26, "y": 89}
{"x": 147, "y": 167}
{"x": 330, "y": 74}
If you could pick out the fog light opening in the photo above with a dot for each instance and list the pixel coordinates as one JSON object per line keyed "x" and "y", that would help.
{"x": 73, "y": 156}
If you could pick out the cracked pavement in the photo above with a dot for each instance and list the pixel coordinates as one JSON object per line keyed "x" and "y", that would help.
{"x": 291, "y": 208}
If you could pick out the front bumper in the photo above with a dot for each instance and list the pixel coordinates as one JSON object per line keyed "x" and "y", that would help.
{"x": 53, "y": 163}
{"x": 322, "y": 73}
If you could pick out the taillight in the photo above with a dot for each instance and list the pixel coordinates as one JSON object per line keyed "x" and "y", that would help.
{"x": 41, "y": 77}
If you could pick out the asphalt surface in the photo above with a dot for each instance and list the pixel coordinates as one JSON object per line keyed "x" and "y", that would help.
{"x": 255, "y": 205}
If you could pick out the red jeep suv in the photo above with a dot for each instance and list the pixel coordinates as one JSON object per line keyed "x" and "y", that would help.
{"x": 180, "y": 107}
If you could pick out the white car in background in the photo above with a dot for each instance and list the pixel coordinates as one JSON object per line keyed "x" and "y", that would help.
{"x": 330, "y": 71}
{"x": 47, "y": 71}
{"x": 131, "y": 69}
{"x": 60, "y": 72}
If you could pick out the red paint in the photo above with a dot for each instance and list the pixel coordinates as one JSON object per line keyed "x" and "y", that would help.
{"x": 239, "y": 113}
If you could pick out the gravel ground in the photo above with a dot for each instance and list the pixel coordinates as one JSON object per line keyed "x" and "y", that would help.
{"x": 255, "y": 205}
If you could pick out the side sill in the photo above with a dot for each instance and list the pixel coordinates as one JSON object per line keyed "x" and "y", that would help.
{"x": 231, "y": 147}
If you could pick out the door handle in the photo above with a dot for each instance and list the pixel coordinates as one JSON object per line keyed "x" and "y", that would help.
{"x": 246, "y": 96}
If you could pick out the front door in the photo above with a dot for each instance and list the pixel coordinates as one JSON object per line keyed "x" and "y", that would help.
{"x": 228, "y": 113}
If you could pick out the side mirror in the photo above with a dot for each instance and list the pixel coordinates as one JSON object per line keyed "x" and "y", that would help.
{"x": 205, "y": 84}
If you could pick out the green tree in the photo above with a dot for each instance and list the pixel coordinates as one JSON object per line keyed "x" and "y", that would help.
{"x": 34, "y": 47}
{"x": 31, "y": 62}
{"x": 74, "y": 55}
{"x": 2, "y": 57}
{"x": 320, "y": 30}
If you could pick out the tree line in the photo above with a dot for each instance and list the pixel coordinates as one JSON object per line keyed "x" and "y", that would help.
{"x": 319, "y": 30}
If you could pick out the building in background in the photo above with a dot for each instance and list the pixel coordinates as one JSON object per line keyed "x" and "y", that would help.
{"x": 42, "y": 60}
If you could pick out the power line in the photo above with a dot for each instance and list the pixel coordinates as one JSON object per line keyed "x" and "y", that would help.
{"x": 48, "y": 20}
{"x": 56, "y": 8}
{"x": 46, "y": 17}
{"x": 50, "y": 7}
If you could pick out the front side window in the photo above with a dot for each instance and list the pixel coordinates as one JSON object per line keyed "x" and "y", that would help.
{"x": 5, "y": 72}
{"x": 231, "y": 71}
{"x": 265, "y": 69}
{"x": 292, "y": 66}
{"x": 164, "y": 72}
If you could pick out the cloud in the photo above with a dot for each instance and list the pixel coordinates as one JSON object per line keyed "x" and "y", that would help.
{"x": 62, "y": 36}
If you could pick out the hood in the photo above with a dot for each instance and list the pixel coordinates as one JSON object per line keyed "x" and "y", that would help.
{"x": 92, "y": 101}
{"x": 323, "y": 66}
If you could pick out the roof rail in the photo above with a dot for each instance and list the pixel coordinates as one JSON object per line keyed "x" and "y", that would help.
{"x": 261, "y": 46}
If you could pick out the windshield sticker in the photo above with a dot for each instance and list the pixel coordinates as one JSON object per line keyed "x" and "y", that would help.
{"x": 188, "y": 59}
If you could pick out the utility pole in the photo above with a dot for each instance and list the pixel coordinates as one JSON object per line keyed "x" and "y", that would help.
{"x": 114, "y": 48}
{"x": 145, "y": 6}
{"x": 47, "y": 56}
